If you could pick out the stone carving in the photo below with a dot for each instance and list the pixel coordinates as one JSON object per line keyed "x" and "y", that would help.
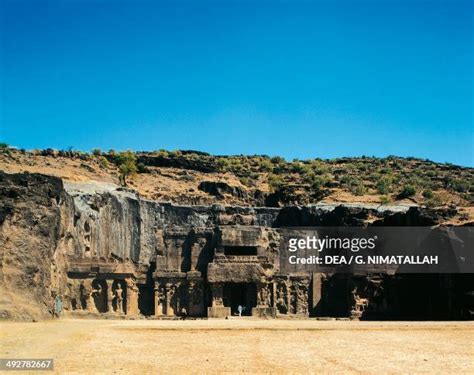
{"x": 358, "y": 304}
{"x": 87, "y": 297}
{"x": 90, "y": 301}
{"x": 110, "y": 296}
{"x": 119, "y": 298}
{"x": 301, "y": 299}
{"x": 160, "y": 299}
{"x": 97, "y": 291}
{"x": 95, "y": 296}
{"x": 217, "y": 297}
{"x": 264, "y": 296}
{"x": 282, "y": 297}
{"x": 170, "y": 303}
{"x": 197, "y": 294}
{"x": 87, "y": 236}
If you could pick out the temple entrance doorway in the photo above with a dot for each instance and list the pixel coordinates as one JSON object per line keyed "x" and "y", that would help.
{"x": 243, "y": 294}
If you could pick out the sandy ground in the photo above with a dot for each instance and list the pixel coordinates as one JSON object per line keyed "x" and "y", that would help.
{"x": 243, "y": 345}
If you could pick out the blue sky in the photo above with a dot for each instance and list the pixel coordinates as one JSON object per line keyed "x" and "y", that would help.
{"x": 299, "y": 79}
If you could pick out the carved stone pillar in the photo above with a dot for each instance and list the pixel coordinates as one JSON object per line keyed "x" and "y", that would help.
{"x": 131, "y": 304}
{"x": 159, "y": 299}
{"x": 263, "y": 309}
{"x": 263, "y": 295}
{"x": 195, "y": 298}
{"x": 281, "y": 297}
{"x": 170, "y": 290}
{"x": 90, "y": 304}
{"x": 217, "y": 309}
{"x": 217, "y": 295}
{"x": 301, "y": 289}
{"x": 110, "y": 296}
{"x": 191, "y": 286}
{"x": 287, "y": 296}
{"x": 317, "y": 287}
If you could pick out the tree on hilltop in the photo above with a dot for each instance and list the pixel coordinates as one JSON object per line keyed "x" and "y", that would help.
{"x": 127, "y": 163}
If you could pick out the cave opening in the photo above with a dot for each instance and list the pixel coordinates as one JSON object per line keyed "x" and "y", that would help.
{"x": 240, "y": 294}
{"x": 240, "y": 250}
{"x": 146, "y": 293}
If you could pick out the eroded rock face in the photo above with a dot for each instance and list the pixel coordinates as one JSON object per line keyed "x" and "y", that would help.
{"x": 220, "y": 189}
{"x": 33, "y": 237}
{"x": 106, "y": 251}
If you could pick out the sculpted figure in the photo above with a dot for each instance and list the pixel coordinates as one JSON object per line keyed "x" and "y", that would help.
{"x": 160, "y": 299}
{"x": 217, "y": 299}
{"x": 119, "y": 298}
{"x": 95, "y": 295}
{"x": 264, "y": 296}
{"x": 90, "y": 300}
{"x": 97, "y": 291}
{"x": 171, "y": 291}
{"x": 171, "y": 304}
{"x": 302, "y": 299}
{"x": 293, "y": 300}
{"x": 281, "y": 303}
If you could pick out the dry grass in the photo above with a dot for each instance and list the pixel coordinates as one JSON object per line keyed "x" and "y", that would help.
{"x": 244, "y": 345}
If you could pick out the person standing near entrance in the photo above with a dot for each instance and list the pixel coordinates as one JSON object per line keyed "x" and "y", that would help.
{"x": 240, "y": 309}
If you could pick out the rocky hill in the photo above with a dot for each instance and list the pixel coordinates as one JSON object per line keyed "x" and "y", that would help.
{"x": 191, "y": 177}
{"x": 63, "y": 212}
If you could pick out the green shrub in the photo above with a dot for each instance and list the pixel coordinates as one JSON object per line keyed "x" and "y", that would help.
{"x": 407, "y": 191}
{"x": 274, "y": 181}
{"x": 266, "y": 165}
{"x": 174, "y": 153}
{"x": 428, "y": 194}
{"x": 460, "y": 186}
{"x": 318, "y": 183}
{"x": 223, "y": 164}
{"x": 4, "y": 145}
{"x": 359, "y": 189}
{"x": 141, "y": 168}
{"x": 347, "y": 180}
{"x": 96, "y": 152}
{"x": 385, "y": 170}
{"x": 436, "y": 201}
{"x": 384, "y": 185}
{"x": 127, "y": 165}
{"x": 103, "y": 162}
{"x": 247, "y": 181}
{"x": 299, "y": 167}
{"x": 384, "y": 199}
{"x": 277, "y": 160}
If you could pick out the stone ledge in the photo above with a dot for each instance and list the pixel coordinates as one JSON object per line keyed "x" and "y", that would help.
{"x": 263, "y": 312}
{"x": 218, "y": 312}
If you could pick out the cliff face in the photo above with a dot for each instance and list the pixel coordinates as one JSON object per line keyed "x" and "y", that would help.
{"x": 45, "y": 226}
{"x": 53, "y": 236}
{"x": 34, "y": 213}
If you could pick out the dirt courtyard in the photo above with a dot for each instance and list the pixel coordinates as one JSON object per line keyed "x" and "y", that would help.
{"x": 243, "y": 345}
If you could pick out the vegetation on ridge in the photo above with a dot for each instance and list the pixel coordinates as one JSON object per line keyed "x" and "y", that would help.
{"x": 386, "y": 180}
